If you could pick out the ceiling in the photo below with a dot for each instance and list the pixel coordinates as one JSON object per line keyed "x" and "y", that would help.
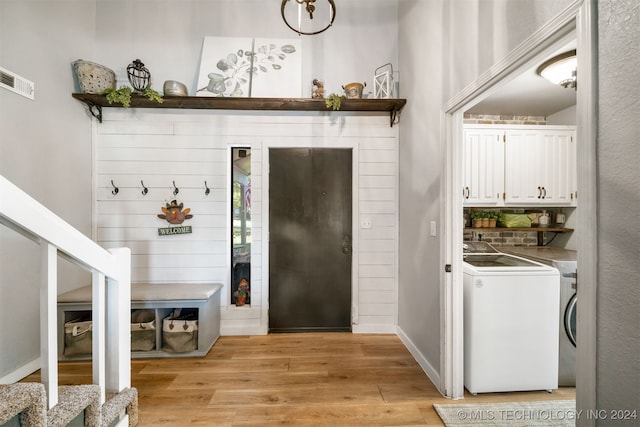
{"x": 528, "y": 94}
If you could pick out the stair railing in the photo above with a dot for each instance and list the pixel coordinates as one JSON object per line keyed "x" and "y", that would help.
{"x": 111, "y": 291}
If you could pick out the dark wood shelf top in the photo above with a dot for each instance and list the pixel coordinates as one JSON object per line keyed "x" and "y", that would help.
{"x": 393, "y": 106}
{"x": 527, "y": 229}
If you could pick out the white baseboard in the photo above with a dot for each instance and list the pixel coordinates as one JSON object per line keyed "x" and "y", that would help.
{"x": 237, "y": 330}
{"x": 373, "y": 329}
{"x": 428, "y": 369}
{"x": 230, "y": 331}
{"x": 21, "y": 372}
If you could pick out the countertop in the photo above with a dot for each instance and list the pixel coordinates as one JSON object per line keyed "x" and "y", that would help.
{"x": 541, "y": 253}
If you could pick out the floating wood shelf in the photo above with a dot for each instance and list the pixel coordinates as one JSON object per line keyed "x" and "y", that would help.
{"x": 528, "y": 229}
{"x": 97, "y": 102}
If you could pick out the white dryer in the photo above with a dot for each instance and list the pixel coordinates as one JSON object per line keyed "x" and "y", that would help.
{"x": 565, "y": 260}
{"x": 511, "y": 307}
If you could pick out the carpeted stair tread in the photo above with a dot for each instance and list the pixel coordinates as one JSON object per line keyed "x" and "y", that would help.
{"x": 127, "y": 400}
{"x": 72, "y": 400}
{"x": 28, "y": 399}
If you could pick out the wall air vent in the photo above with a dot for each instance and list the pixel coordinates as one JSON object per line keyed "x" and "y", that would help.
{"x": 17, "y": 84}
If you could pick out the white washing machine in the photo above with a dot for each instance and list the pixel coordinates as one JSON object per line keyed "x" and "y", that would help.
{"x": 511, "y": 307}
{"x": 565, "y": 261}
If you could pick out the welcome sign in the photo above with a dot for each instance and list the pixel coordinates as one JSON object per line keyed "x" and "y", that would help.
{"x": 168, "y": 231}
{"x": 175, "y": 213}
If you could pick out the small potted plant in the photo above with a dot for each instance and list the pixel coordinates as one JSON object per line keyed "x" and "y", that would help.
{"x": 476, "y": 218}
{"x": 485, "y": 219}
{"x": 493, "y": 218}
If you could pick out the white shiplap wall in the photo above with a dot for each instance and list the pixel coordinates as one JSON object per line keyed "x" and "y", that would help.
{"x": 159, "y": 147}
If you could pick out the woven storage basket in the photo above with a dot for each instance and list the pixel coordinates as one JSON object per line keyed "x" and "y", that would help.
{"x": 92, "y": 77}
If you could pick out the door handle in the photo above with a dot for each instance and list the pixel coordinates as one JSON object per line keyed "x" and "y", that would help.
{"x": 539, "y": 192}
{"x": 346, "y": 245}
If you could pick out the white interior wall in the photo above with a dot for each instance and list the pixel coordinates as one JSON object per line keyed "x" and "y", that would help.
{"x": 618, "y": 295}
{"x": 45, "y": 149}
{"x": 363, "y": 37}
{"x": 563, "y": 117}
{"x": 420, "y": 171}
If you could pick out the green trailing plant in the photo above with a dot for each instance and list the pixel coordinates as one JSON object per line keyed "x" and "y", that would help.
{"x": 153, "y": 95}
{"x": 334, "y": 101}
{"x": 119, "y": 96}
{"x": 123, "y": 95}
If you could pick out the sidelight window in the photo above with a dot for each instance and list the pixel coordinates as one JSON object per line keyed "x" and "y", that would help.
{"x": 240, "y": 225}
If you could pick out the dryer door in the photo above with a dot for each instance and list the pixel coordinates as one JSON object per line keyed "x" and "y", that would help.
{"x": 570, "y": 319}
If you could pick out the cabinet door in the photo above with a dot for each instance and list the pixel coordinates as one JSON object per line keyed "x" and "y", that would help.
{"x": 483, "y": 167}
{"x": 558, "y": 177}
{"x": 540, "y": 166}
{"x": 523, "y": 167}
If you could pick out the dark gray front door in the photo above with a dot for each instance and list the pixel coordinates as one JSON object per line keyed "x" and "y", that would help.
{"x": 309, "y": 239}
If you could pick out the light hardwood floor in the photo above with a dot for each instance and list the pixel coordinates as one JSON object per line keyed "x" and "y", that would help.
{"x": 314, "y": 379}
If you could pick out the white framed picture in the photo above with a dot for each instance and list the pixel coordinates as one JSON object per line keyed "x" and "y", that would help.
{"x": 250, "y": 67}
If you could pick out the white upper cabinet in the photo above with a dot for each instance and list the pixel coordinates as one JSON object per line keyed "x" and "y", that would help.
{"x": 540, "y": 166}
{"x": 483, "y": 167}
{"x": 559, "y": 179}
{"x": 519, "y": 165}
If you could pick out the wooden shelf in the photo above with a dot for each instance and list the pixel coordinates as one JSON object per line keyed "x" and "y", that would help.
{"x": 97, "y": 102}
{"x": 527, "y": 229}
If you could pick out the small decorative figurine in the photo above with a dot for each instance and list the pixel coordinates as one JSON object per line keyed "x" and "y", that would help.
{"x": 318, "y": 89}
{"x": 242, "y": 293}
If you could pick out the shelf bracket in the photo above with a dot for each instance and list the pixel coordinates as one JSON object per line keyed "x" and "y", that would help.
{"x": 94, "y": 109}
{"x": 393, "y": 116}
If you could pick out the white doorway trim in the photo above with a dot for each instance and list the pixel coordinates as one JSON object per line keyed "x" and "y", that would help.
{"x": 579, "y": 16}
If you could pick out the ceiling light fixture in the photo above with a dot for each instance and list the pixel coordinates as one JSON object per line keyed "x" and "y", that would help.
{"x": 561, "y": 70}
{"x": 312, "y": 18}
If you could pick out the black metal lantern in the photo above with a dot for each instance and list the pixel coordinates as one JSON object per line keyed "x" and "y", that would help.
{"x": 304, "y": 14}
{"x": 139, "y": 76}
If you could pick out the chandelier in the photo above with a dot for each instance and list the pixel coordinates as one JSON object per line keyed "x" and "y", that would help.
{"x": 561, "y": 69}
{"x": 310, "y": 17}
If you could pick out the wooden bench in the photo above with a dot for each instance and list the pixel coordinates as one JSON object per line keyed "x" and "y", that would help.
{"x": 162, "y": 298}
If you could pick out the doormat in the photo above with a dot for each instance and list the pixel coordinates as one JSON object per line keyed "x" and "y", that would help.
{"x": 542, "y": 413}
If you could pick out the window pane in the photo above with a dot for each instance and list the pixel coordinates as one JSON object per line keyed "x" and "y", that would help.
{"x": 241, "y": 226}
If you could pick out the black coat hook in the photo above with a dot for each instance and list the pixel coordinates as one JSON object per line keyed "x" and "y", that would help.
{"x": 207, "y": 189}
{"x": 176, "y": 190}
{"x": 115, "y": 189}
{"x": 145, "y": 190}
